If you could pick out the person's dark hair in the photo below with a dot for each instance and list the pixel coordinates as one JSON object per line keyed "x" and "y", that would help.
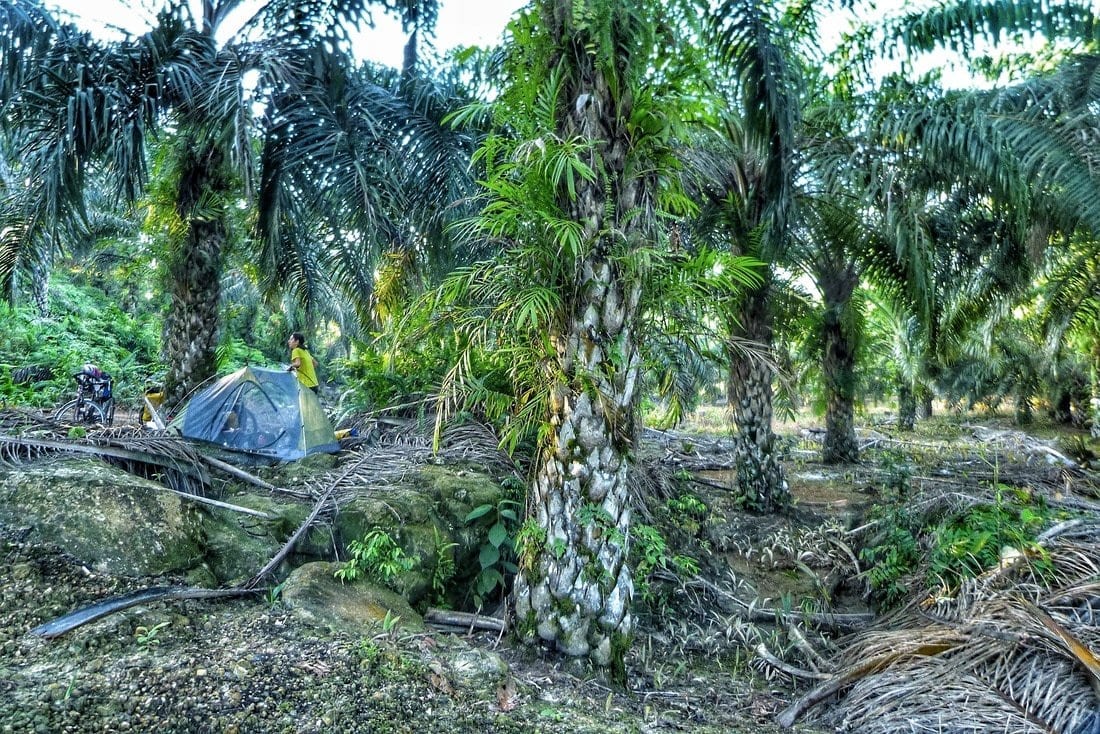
{"x": 297, "y": 336}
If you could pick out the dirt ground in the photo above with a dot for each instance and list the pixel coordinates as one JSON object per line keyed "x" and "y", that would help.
{"x": 698, "y": 664}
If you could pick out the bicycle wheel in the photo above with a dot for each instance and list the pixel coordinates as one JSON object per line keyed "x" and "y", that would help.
{"x": 109, "y": 412}
{"x": 79, "y": 412}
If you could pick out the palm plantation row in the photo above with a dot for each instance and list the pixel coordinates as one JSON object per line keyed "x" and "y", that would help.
{"x": 625, "y": 201}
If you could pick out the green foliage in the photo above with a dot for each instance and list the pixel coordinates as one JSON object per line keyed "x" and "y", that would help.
{"x": 893, "y": 556}
{"x": 972, "y": 541}
{"x": 687, "y": 512}
{"x": 897, "y": 472}
{"x": 948, "y": 550}
{"x": 275, "y": 594}
{"x": 589, "y": 515}
{"x": 149, "y": 636}
{"x": 380, "y": 378}
{"x": 407, "y": 371}
{"x": 496, "y": 556}
{"x": 85, "y": 326}
{"x": 530, "y": 544}
{"x": 648, "y": 553}
{"x": 444, "y": 569}
{"x": 235, "y": 353}
{"x": 376, "y": 557}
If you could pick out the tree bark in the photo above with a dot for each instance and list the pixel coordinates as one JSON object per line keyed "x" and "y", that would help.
{"x": 838, "y": 367}
{"x": 907, "y": 407}
{"x": 192, "y": 324}
{"x": 924, "y": 408}
{"x": 1061, "y": 411}
{"x": 574, "y": 587}
{"x": 1094, "y": 379}
{"x": 40, "y": 280}
{"x": 761, "y": 485}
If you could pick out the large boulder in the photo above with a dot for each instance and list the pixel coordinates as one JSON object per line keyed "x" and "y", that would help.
{"x": 314, "y": 594}
{"x": 239, "y": 545}
{"x": 109, "y": 519}
{"x": 425, "y": 515}
{"x": 117, "y": 522}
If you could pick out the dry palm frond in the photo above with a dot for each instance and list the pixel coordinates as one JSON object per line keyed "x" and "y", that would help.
{"x": 475, "y": 443}
{"x": 174, "y": 460}
{"x": 372, "y": 469}
{"x": 1016, "y": 650}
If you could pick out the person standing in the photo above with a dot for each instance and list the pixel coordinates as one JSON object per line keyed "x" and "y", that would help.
{"x": 302, "y": 362}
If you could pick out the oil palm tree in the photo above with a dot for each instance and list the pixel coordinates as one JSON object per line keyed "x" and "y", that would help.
{"x": 77, "y": 103}
{"x": 765, "y": 53}
{"x": 764, "y": 89}
{"x": 1070, "y": 293}
{"x": 578, "y": 175}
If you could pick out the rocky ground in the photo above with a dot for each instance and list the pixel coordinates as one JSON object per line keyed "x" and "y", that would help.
{"x": 248, "y": 665}
{"x": 698, "y": 664}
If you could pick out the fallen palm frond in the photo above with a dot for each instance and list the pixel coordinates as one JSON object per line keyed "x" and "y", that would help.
{"x": 169, "y": 457}
{"x": 1013, "y": 650}
{"x": 99, "y": 610}
{"x": 373, "y": 468}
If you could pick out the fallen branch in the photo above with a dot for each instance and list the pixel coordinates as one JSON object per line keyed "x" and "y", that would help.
{"x": 249, "y": 478}
{"x": 465, "y": 620}
{"x": 238, "y": 473}
{"x": 1060, "y": 529}
{"x": 762, "y": 651}
{"x": 222, "y": 505}
{"x": 289, "y": 544}
{"x": 99, "y": 610}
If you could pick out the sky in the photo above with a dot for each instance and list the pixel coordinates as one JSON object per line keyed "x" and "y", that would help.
{"x": 461, "y": 23}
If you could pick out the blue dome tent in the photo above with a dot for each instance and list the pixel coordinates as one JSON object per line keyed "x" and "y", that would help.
{"x": 259, "y": 411}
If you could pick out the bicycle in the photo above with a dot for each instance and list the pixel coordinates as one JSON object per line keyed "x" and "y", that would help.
{"x": 94, "y": 402}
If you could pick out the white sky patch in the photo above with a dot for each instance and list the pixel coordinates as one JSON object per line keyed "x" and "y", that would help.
{"x": 461, "y": 23}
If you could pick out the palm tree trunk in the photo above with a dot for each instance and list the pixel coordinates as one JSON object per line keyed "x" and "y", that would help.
{"x": 192, "y": 324}
{"x": 1061, "y": 411}
{"x": 924, "y": 409}
{"x": 760, "y": 482}
{"x": 1024, "y": 415}
{"x": 838, "y": 368}
{"x": 574, "y": 589}
{"x": 907, "y": 407}
{"x": 40, "y": 280}
{"x": 1094, "y": 431}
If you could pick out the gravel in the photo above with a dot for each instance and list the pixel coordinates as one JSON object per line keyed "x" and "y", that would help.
{"x": 250, "y": 666}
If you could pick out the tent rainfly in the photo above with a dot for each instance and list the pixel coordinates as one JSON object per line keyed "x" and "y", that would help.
{"x": 259, "y": 411}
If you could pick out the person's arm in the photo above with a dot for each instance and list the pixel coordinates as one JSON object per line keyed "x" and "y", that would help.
{"x": 295, "y": 361}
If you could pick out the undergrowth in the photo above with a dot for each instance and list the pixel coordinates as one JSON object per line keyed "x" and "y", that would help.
{"x": 943, "y": 548}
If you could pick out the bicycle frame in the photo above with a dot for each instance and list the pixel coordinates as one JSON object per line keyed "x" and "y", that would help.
{"x": 94, "y": 401}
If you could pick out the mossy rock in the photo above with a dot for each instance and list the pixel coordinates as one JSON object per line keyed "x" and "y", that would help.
{"x": 238, "y": 545}
{"x": 109, "y": 519}
{"x": 458, "y": 492}
{"x": 424, "y": 516}
{"x": 399, "y": 507}
{"x": 314, "y": 594}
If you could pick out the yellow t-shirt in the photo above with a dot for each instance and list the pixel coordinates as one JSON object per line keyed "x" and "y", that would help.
{"x": 307, "y": 375}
